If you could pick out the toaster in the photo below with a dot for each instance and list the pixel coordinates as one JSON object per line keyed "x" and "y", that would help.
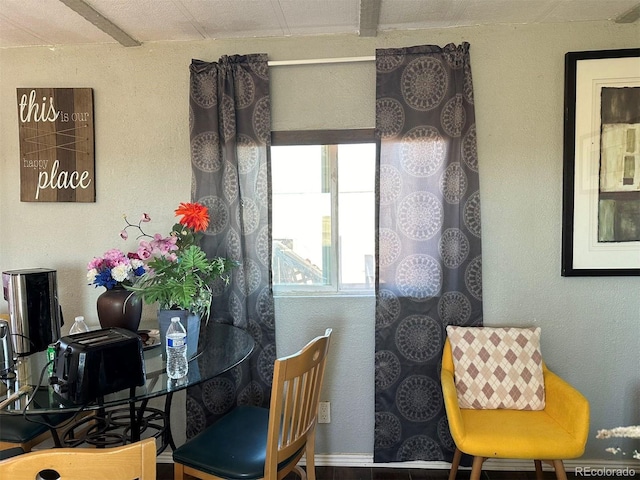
{"x": 92, "y": 364}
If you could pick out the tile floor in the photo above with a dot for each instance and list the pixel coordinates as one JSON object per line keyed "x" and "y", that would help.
{"x": 165, "y": 472}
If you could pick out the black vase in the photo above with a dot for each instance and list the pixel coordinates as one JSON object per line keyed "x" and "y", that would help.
{"x": 119, "y": 307}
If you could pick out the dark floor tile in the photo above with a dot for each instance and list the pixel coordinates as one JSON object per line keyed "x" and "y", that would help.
{"x": 425, "y": 474}
{"x": 490, "y": 475}
{"x": 322, "y": 473}
{"x": 352, "y": 473}
{"x": 164, "y": 471}
{"x": 390, "y": 474}
{"x": 325, "y": 473}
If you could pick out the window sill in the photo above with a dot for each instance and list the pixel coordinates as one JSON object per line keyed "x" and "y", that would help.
{"x": 293, "y": 294}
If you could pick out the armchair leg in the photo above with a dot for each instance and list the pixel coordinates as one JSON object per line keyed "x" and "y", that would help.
{"x": 476, "y": 468}
{"x": 539, "y": 474}
{"x": 455, "y": 464}
{"x": 559, "y": 467}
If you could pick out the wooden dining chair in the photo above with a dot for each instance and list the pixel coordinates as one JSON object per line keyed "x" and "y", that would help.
{"x": 128, "y": 462}
{"x": 254, "y": 442}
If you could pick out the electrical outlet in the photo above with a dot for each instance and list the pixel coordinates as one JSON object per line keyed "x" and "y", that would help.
{"x": 324, "y": 412}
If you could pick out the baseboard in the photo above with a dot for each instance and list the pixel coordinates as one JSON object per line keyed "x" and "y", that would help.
{"x": 498, "y": 464}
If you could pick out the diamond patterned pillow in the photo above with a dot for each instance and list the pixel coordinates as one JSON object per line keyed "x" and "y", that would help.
{"x": 497, "y": 367}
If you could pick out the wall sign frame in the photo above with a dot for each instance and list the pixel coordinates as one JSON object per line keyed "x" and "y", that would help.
{"x": 56, "y": 132}
{"x": 601, "y": 184}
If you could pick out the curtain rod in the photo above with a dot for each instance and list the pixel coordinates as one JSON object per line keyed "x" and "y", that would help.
{"x": 316, "y": 61}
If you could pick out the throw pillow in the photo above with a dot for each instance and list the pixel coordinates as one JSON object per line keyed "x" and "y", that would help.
{"x": 497, "y": 368}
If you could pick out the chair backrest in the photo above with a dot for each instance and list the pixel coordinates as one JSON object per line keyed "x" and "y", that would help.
{"x": 128, "y": 462}
{"x": 295, "y": 394}
{"x": 447, "y": 357}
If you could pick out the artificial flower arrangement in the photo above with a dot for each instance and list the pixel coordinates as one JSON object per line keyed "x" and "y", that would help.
{"x": 178, "y": 274}
{"x": 621, "y": 432}
{"x": 114, "y": 269}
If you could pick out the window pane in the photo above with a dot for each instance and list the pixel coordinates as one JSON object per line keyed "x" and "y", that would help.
{"x": 301, "y": 207}
{"x": 356, "y": 207}
{"x": 323, "y": 205}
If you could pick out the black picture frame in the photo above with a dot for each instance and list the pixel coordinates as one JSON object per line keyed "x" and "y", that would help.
{"x": 582, "y": 252}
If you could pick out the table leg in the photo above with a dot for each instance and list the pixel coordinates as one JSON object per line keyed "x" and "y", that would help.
{"x": 135, "y": 419}
{"x": 167, "y": 433}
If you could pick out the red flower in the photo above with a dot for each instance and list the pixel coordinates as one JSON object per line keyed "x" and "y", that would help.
{"x": 194, "y": 216}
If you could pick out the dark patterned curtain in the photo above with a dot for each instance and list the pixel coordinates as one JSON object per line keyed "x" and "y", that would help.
{"x": 428, "y": 253}
{"x": 230, "y": 132}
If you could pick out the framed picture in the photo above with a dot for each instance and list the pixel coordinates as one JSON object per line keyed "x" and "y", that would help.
{"x": 601, "y": 184}
{"x": 56, "y": 135}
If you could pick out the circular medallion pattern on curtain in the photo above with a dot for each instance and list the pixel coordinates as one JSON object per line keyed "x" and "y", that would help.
{"x": 230, "y": 135}
{"x": 428, "y": 249}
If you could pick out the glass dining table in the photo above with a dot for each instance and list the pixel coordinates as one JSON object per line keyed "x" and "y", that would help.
{"x": 124, "y": 416}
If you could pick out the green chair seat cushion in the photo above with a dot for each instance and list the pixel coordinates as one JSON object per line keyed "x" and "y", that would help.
{"x": 234, "y": 447}
{"x": 17, "y": 429}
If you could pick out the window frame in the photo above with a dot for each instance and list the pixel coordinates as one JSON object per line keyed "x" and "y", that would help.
{"x": 325, "y": 138}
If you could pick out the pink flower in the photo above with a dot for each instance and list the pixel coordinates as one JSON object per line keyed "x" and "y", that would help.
{"x": 124, "y": 235}
{"x": 145, "y": 218}
{"x": 114, "y": 257}
{"x": 96, "y": 263}
{"x": 159, "y": 246}
{"x": 144, "y": 250}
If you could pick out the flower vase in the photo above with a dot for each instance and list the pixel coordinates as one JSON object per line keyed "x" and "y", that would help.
{"x": 119, "y": 307}
{"x": 190, "y": 322}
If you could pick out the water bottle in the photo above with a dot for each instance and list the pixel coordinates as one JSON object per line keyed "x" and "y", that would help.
{"x": 78, "y": 326}
{"x": 177, "y": 365}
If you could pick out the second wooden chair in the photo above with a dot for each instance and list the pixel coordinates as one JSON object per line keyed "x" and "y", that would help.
{"x": 253, "y": 442}
{"x": 129, "y": 462}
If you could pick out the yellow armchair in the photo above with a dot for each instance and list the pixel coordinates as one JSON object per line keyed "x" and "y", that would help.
{"x": 557, "y": 432}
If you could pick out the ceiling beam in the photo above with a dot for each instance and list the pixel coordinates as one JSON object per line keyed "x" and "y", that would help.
{"x": 103, "y": 23}
{"x": 369, "y": 18}
{"x": 629, "y": 16}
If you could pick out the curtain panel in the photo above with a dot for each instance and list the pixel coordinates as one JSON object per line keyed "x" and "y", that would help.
{"x": 230, "y": 135}
{"x": 428, "y": 250}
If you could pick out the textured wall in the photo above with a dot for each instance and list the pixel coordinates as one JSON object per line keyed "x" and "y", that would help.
{"x": 591, "y": 326}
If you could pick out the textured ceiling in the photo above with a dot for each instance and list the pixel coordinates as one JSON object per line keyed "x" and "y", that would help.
{"x": 57, "y": 22}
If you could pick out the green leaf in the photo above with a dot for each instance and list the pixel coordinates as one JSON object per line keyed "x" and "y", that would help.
{"x": 186, "y": 282}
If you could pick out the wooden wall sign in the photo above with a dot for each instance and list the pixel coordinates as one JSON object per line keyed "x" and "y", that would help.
{"x": 57, "y": 161}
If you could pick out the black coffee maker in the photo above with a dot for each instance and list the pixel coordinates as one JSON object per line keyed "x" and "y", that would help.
{"x": 34, "y": 311}
{"x": 6, "y": 349}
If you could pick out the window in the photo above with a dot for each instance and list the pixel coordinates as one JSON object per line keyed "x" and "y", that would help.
{"x": 323, "y": 213}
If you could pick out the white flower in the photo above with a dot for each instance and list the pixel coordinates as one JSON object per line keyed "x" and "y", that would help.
{"x": 136, "y": 263}
{"x": 91, "y": 275}
{"x": 620, "y": 432}
{"x": 120, "y": 272}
